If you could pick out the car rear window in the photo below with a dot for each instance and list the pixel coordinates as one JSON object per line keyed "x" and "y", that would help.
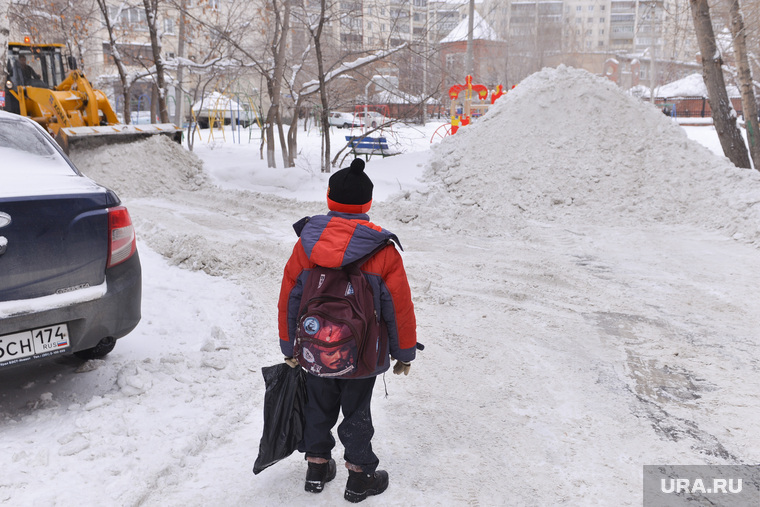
{"x": 26, "y": 150}
{"x": 21, "y": 136}
{"x": 31, "y": 165}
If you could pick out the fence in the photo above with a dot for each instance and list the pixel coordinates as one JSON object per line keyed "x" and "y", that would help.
{"x": 691, "y": 107}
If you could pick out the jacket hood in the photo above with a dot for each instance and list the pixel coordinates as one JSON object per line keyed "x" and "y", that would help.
{"x": 337, "y": 239}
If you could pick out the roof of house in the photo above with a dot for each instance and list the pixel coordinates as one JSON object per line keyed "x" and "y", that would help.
{"x": 481, "y": 30}
{"x": 690, "y": 86}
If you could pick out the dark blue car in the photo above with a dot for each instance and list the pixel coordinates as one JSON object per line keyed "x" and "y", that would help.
{"x": 70, "y": 276}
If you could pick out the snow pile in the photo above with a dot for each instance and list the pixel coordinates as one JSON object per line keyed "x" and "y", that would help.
{"x": 151, "y": 167}
{"x": 565, "y": 145}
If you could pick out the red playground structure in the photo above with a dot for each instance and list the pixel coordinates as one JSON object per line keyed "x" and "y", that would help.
{"x": 463, "y": 108}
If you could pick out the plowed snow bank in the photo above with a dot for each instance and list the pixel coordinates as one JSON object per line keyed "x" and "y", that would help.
{"x": 572, "y": 145}
{"x": 151, "y": 167}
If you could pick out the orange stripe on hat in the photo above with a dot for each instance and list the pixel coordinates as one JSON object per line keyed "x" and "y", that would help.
{"x": 348, "y": 208}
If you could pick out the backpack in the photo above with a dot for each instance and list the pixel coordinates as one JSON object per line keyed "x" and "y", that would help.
{"x": 339, "y": 333}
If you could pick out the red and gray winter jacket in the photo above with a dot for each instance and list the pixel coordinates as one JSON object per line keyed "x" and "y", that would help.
{"x": 337, "y": 239}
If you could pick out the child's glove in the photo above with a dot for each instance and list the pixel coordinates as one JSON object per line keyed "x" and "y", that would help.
{"x": 291, "y": 362}
{"x": 401, "y": 367}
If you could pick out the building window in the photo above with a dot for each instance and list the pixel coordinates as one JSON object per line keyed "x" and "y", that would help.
{"x": 601, "y": 20}
{"x": 591, "y": 7}
{"x": 601, "y": 32}
{"x": 168, "y": 25}
{"x": 601, "y": 43}
{"x": 590, "y": 20}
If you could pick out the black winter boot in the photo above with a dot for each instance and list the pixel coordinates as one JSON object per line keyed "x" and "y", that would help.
{"x": 318, "y": 474}
{"x": 361, "y": 485}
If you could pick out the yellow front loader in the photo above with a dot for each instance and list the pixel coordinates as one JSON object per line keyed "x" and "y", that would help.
{"x": 66, "y": 103}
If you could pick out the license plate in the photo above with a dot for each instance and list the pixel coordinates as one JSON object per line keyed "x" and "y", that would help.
{"x": 33, "y": 343}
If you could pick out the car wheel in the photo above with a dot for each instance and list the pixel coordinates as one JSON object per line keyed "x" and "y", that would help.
{"x": 374, "y": 124}
{"x": 346, "y": 125}
{"x": 100, "y": 350}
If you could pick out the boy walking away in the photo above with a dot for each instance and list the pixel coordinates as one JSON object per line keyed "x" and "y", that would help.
{"x": 343, "y": 240}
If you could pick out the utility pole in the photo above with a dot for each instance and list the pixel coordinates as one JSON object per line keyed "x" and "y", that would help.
{"x": 653, "y": 50}
{"x": 469, "y": 63}
{"x": 425, "y": 64}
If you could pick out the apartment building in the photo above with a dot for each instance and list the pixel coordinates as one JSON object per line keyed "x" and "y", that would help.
{"x": 536, "y": 33}
{"x": 585, "y": 33}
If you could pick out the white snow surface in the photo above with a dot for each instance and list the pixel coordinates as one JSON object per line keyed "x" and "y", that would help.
{"x": 585, "y": 280}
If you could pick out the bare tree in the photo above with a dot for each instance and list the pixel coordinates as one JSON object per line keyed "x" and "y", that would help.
{"x": 151, "y": 14}
{"x": 57, "y": 21}
{"x": 4, "y": 34}
{"x": 749, "y": 105}
{"x": 723, "y": 118}
{"x": 180, "y": 66}
{"x": 126, "y": 83}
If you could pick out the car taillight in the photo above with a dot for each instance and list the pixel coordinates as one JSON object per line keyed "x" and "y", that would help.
{"x": 121, "y": 236}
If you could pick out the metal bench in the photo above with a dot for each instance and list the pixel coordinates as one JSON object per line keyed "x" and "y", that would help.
{"x": 368, "y": 146}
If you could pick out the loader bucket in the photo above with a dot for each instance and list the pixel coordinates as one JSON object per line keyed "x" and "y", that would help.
{"x": 71, "y": 138}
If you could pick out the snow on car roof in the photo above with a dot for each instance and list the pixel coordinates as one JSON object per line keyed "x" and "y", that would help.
{"x": 32, "y": 164}
{"x": 23, "y": 173}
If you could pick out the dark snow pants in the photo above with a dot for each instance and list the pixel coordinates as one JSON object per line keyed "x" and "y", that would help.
{"x": 326, "y": 398}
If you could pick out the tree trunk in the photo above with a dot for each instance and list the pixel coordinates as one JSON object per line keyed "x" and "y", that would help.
{"x": 283, "y": 141}
{"x": 723, "y": 116}
{"x": 126, "y": 86}
{"x": 274, "y": 83}
{"x": 178, "y": 99}
{"x": 325, "y": 109}
{"x": 4, "y": 34}
{"x": 151, "y": 13}
{"x": 749, "y": 106}
{"x": 293, "y": 134}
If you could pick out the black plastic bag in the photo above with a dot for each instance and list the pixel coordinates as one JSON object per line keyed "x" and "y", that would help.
{"x": 284, "y": 402}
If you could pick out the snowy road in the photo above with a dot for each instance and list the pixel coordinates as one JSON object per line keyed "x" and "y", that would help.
{"x": 563, "y": 354}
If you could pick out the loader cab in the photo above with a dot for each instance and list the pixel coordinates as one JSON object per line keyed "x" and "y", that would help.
{"x": 35, "y": 65}
{"x": 39, "y": 66}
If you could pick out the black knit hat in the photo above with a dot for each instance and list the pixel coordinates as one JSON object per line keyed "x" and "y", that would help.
{"x": 350, "y": 190}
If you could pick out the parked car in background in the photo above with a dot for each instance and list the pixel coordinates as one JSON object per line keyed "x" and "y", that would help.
{"x": 343, "y": 120}
{"x": 371, "y": 118}
{"x": 70, "y": 275}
